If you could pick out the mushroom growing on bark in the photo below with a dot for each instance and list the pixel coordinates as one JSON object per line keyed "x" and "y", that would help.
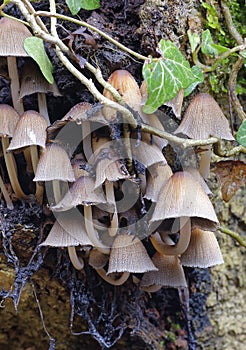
{"x": 183, "y": 198}
{"x": 69, "y": 231}
{"x": 33, "y": 81}
{"x": 12, "y": 36}
{"x": 83, "y": 192}
{"x": 203, "y": 250}
{"x": 204, "y": 118}
{"x": 169, "y": 274}
{"x": 30, "y": 132}
{"x": 8, "y": 121}
{"x": 54, "y": 165}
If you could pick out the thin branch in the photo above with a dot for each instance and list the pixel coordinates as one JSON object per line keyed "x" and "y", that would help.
{"x": 94, "y": 29}
{"x": 228, "y": 153}
{"x": 232, "y": 88}
{"x": 229, "y": 23}
{"x": 234, "y": 235}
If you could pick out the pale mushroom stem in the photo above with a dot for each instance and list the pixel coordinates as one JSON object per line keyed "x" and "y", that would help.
{"x": 15, "y": 84}
{"x": 56, "y": 190}
{"x": 6, "y": 195}
{"x": 116, "y": 282}
{"x": 86, "y": 140}
{"x": 92, "y": 233}
{"x": 39, "y": 188}
{"x": 42, "y": 106}
{"x": 78, "y": 263}
{"x": 12, "y": 171}
{"x": 181, "y": 246}
{"x": 205, "y": 157}
{"x": 15, "y": 93}
{"x": 114, "y": 224}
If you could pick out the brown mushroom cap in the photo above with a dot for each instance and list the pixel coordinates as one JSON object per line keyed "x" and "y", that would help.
{"x": 203, "y": 250}
{"x": 127, "y": 87}
{"x": 68, "y": 230}
{"x": 204, "y": 118}
{"x": 30, "y": 130}
{"x": 182, "y": 196}
{"x": 12, "y": 36}
{"x": 54, "y": 164}
{"x": 129, "y": 254}
{"x": 33, "y": 81}
{"x": 81, "y": 192}
{"x": 170, "y": 273}
{"x": 8, "y": 120}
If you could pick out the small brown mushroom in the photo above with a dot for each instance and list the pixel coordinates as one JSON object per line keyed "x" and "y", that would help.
{"x": 33, "y": 81}
{"x": 54, "y": 165}
{"x": 169, "y": 274}
{"x": 128, "y": 254}
{"x": 127, "y": 87}
{"x": 8, "y": 121}
{"x": 30, "y": 132}
{"x": 204, "y": 118}
{"x": 203, "y": 250}
{"x": 12, "y": 36}
{"x": 181, "y": 197}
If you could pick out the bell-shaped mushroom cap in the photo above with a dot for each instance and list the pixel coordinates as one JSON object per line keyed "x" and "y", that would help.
{"x": 109, "y": 167}
{"x": 82, "y": 192}
{"x": 203, "y": 250}
{"x": 30, "y": 130}
{"x": 68, "y": 230}
{"x": 54, "y": 164}
{"x": 129, "y": 254}
{"x": 204, "y": 118}
{"x": 97, "y": 259}
{"x": 127, "y": 87}
{"x": 8, "y": 120}
{"x": 78, "y": 112}
{"x": 182, "y": 196}
{"x": 12, "y": 36}
{"x": 147, "y": 154}
{"x": 159, "y": 173}
{"x": 170, "y": 272}
{"x": 33, "y": 81}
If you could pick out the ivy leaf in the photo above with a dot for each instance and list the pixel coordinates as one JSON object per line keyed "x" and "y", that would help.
{"x": 76, "y": 5}
{"x": 199, "y": 79}
{"x": 35, "y": 48}
{"x": 207, "y": 44}
{"x": 166, "y": 76}
{"x": 194, "y": 40}
{"x": 241, "y": 134}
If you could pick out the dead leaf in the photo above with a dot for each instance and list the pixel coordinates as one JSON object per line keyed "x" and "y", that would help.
{"x": 232, "y": 175}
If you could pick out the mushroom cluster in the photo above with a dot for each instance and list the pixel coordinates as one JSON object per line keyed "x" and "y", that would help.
{"x": 118, "y": 205}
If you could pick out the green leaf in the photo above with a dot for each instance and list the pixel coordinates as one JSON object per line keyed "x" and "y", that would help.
{"x": 165, "y": 76}
{"x": 35, "y": 48}
{"x": 243, "y": 53}
{"x": 207, "y": 44}
{"x": 199, "y": 79}
{"x": 194, "y": 40}
{"x": 76, "y": 5}
{"x": 241, "y": 134}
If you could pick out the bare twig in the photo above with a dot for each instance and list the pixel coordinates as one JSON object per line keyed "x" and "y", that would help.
{"x": 228, "y": 153}
{"x": 94, "y": 29}
{"x": 229, "y": 23}
{"x": 232, "y": 88}
{"x": 234, "y": 235}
